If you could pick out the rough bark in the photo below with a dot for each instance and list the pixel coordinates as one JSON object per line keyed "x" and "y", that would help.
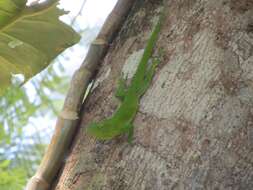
{"x": 194, "y": 129}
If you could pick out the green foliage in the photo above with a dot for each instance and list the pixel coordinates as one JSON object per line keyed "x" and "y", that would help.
{"x": 8, "y": 10}
{"x": 17, "y": 107}
{"x": 20, "y": 153}
{"x": 11, "y": 178}
{"x": 30, "y": 40}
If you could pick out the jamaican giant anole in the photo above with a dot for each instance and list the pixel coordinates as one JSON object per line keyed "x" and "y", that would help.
{"x": 121, "y": 121}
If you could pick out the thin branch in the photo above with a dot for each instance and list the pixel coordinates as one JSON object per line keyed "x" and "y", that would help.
{"x": 79, "y": 12}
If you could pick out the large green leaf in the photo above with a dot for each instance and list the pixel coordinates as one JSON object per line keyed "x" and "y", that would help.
{"x": 30, "y": 40}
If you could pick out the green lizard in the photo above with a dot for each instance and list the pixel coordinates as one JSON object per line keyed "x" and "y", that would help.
{"x": 121, "y": 121}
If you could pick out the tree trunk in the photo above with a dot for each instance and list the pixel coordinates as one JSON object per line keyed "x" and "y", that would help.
{"x": 194, "y": 128}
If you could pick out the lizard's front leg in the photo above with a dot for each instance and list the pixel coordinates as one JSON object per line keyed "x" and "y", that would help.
{"x": 149, "y": 75}
{"x": 121, "y": 89}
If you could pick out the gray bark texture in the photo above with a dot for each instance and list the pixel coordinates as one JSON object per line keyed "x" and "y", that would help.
{"x": 194, "y": 128}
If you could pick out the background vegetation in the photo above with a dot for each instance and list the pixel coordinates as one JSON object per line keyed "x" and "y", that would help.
{"x": 27, "y": 113}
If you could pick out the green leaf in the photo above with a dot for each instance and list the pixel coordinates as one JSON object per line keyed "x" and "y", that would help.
{"x": 30, "y": 39}
{"x": 4, "y": 164}
{"x": 12, "y": 179}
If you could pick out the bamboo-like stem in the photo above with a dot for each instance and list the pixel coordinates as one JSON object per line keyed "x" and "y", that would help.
{"x": 67, "y": 121}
